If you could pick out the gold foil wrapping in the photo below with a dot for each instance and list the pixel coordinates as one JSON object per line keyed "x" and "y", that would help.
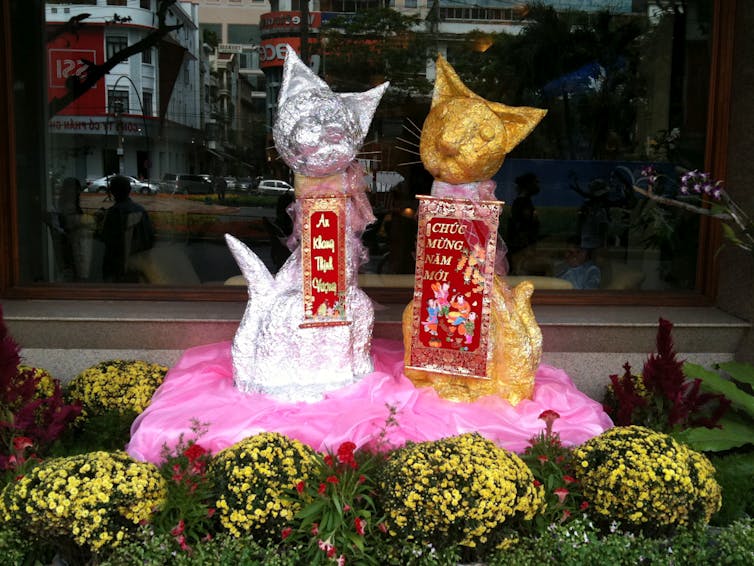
{"x": 465, "y": 138}
{"x": 515, "y": 351}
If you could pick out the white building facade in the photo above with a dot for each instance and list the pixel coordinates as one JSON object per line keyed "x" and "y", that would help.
{"x": 144, "y": 117}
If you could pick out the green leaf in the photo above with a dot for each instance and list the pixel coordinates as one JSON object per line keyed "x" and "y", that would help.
{"x": 735, "y": 432}
{"x": 336, "y": 502}
{"x": 356, "y": 540}
{"x": 713, "y": 381}
{"x": 311, "y": 509}
{"x": 738, "y": 371}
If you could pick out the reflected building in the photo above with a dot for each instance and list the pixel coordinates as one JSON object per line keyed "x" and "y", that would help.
{"x": 143, "y": 117}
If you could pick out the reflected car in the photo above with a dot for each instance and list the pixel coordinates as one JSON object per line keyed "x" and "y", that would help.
{"x": 244, "y": 184}
{"x": 137, "y": 186}
{"x": 168, "y": 182}
{"x": 194, "y": 185}
{"x": 273, "y": 187}
{"x": 231, "y": 183}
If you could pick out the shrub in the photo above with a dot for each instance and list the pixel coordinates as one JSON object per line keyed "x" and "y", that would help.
{"x": 94, "y": 500}
{"x": 32, "y": 410}
{"x": 252, "y": 478}
{"x": 645, "y": 479}
{"x": 117, "y": 385}
{"x": 458, "y": 490}
{"x": 663, "y": 397}
{"x": 112, "y": 395}
{"x": 188, "y": 512}
{"x": 735, "y": 474}
{"x": 338, "y": 515}
{"x": 552, "y": 466}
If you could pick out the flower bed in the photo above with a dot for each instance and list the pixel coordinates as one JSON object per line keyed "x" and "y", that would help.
{"x": 628, "y": 495}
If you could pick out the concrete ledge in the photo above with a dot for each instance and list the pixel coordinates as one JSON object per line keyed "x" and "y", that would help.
{"x": 590, "y": 343}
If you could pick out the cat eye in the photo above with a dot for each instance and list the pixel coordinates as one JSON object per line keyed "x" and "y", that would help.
{"x": 487, "y": 133}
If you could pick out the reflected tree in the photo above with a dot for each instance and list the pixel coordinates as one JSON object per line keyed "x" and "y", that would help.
{"x": 77, "y": 85}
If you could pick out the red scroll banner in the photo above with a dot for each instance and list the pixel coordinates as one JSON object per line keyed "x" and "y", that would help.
{"x": 454, "y": 277}
{"x": 324, "y": 260}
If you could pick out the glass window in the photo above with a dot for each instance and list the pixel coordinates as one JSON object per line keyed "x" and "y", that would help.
{"x": 244, "y": 34}
{"x": 117, "y": 101}
{"x": 147, "y": 102}
{"x": 115, "y": 44}
{"x": 211, "y": 33}
{"x": 146, "y": 4}
{"x": 117, "y": 2}
{"x": 623, "y": 90}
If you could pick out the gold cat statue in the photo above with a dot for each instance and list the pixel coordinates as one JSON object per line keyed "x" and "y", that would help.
{"x": 464, "y": 141}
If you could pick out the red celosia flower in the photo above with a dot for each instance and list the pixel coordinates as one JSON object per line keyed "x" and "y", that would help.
{"x": 332, "y": 479}
{"x": 569, "y": 479}
{"x": 346, "y": 508}
{"x": 300, "y": 487}
{"x": 286, "y": 532}
{"x": 345, "y": 454}
{"x": 584, "y": 505}
{"x": 549, "y": 415}
{"x": 328, "y": 460}
{"x": 362, "y": 478}
{"x": 561, "y": 492}
{"x": 194, "y": 452}
{"x": 566, "y": 514}
{"x": 359, "y": 525}
{"x": 341, "y": 560}
{"x": 537, "y": 483}
{"x": 322, "y": 489}
{"x": 542, "y": 458}
{"x": 382, "y": 527}
{"x": 210, "y": 512}
{"x": 315, "y": 529}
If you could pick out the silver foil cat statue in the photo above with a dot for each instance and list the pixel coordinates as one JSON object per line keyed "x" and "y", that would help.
{"x": 317, "y": 133}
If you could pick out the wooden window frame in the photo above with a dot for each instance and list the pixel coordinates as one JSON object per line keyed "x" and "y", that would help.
{"x": 707, "y": 269}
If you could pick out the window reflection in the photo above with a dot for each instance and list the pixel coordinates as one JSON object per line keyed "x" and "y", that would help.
{"x": 188, "y": 118}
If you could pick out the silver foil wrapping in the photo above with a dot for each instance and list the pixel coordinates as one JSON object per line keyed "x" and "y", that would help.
{"x": 317, "y": 133}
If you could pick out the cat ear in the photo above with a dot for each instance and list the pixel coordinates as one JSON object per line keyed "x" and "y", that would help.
{"x": 448, "y": 84}
{"x": 519, "y": 121}
{"x": 364, "y": 104}
{"x": 297, "y": 77}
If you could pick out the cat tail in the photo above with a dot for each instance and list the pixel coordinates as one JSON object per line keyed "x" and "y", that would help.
{"x": 259, "y": 280}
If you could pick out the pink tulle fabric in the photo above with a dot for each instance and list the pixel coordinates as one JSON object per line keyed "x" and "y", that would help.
{"x": 200, "y": 388}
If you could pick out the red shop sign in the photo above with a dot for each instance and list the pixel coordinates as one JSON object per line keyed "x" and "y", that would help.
{"x": 324, "y": 260}
{"x": 454, "y": 277}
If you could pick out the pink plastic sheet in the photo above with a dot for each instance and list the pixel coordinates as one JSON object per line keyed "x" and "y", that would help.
{"x": 200, "y": 388}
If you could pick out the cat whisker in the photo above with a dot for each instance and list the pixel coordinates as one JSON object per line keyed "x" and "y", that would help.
{"x": 409, "y": 142}
{"x": 408, "y": 150}
{"x": 416, "y": 130}
{"x": 408, "y": 163}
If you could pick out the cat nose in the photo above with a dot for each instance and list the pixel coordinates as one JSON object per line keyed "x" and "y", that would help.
{"x": 447, "y": 147}
{"x": 333, "y": 136}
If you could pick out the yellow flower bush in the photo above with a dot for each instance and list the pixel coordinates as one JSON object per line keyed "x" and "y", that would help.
{"x": 45, "y": 383}
{"x": 458, "y": 490}
{"x": 645, "y": 478}
{"x": 252, "y": 478}
{"x": 95, "y": 499}
{"x": 117, "y": 385}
